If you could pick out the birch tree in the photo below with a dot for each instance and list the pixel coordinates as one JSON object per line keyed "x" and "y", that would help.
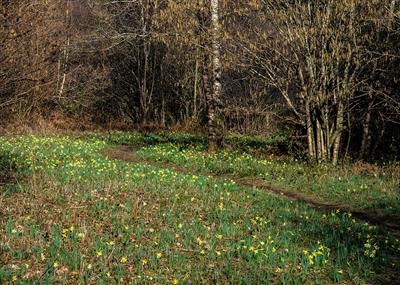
{"x": 215, "y": 121}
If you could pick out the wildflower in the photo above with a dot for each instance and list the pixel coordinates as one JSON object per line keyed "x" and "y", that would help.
{"x": 99, "y": 253}
{"x": 89, "y": 266}
{"x": 124, "y": 259}
{"x": 159, "y": 255}
{"x": 199, "y": 241}
{"x": 14, "y": 278}
{"x": 219, "y": 236}
{"x": 143, "y": 261}
{"x": 151, "y": 230}
{"x": 108, "y": 274}
{"x": 55, "y": 264}
{"x": 175, "y": 281}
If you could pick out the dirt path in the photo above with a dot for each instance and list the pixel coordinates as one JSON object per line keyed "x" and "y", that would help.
{"x": 128, "y": 154}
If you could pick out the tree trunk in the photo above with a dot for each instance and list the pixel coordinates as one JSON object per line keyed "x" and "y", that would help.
{"x": 321, "y": 143}
{"x": 326, "y": 130}
{"x": 196, "y": 80}
{"x": 310, "y": 133}
{"x": 215, "y": 125}
{"x": 146, "y": 89}
{"x": 366, "y": 136}
{"x": 65, "y": 57}
{"x": 338, "y": 133}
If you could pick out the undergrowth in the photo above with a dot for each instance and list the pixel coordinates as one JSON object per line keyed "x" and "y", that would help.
{"x": 82, "y": 218}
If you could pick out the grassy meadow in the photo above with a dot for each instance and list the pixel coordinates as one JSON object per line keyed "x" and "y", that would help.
{"x": 70, "y": 214}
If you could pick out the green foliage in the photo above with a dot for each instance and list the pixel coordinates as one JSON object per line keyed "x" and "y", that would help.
{"x": 279, "y": 143}
{"x": 333, "y": 184}
{"x": 88, "y": 219}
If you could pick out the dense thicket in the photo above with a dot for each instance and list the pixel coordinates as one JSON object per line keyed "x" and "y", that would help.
{"x": 326, "y": 72}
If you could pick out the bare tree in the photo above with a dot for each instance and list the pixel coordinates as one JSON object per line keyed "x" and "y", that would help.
{"x": 215, "y": 124}
{"x": 313, "y": 55}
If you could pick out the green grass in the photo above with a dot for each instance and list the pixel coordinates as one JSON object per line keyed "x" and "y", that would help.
{"x": 79, "y": 217}
{"x": 374, "y": 191}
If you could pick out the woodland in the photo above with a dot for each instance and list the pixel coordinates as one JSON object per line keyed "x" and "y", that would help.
{"x": 199, "y": 142}
{"x": 324, "y": 74}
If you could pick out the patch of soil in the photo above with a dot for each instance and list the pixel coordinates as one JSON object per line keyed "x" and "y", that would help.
{"x": 128, "y": 153}
{"x": 391, "y": 222}
{"x": 7, "y": 178}
{"x": 125, "y": 153}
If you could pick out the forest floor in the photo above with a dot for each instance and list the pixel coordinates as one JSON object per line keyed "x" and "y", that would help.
{"x": 158, "y": 209}
{"x": 391, "y": 222}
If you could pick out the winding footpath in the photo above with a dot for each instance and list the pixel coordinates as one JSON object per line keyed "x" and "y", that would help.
{"x": 128, "y": 154}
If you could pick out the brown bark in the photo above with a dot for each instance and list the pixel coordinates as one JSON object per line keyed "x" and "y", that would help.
{"x": 338, "y": 133}
{"x": 366, "y": 136}
{"x": 310, "y": 132}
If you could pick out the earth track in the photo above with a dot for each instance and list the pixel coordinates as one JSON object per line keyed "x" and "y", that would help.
{"x": 128, "y": 153}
